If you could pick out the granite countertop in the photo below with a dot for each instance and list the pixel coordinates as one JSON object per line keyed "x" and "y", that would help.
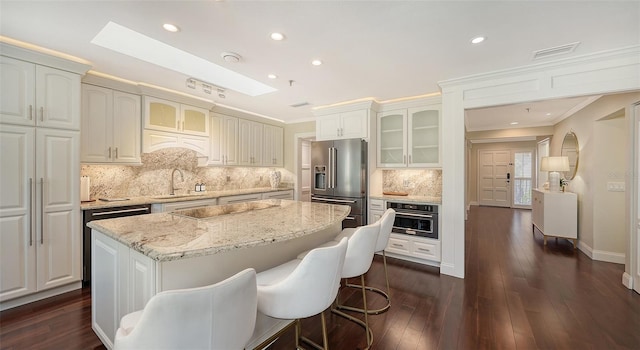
{"x": 99, "y": 204}
{"x": 409, "y": 199}
{"x": 215, "y": 229}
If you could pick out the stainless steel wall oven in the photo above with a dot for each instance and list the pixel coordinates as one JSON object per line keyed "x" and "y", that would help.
{"x": 415, "y": 219}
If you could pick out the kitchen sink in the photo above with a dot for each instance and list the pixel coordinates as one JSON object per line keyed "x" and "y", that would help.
{"x": 172, "y": 196}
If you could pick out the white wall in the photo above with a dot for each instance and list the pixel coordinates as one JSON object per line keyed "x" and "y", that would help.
{"x": 603, "y": 150}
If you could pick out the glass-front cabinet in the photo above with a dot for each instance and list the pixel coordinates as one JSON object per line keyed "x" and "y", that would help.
{"x": 409, "y": 137}
{"x": 164, "y": 115}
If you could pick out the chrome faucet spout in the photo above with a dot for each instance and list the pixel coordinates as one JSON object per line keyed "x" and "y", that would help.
{"x": 173, "y": 173}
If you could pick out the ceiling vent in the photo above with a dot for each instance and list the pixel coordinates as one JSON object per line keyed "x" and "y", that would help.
{"x": 555, "y": 51}
{"x": 301, "y": 104}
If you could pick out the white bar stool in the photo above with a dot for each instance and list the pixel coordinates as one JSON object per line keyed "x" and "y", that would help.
{"x": 220, "y": 316}
{"x": 303, "y": 287}
{"x": 386, "y": 225}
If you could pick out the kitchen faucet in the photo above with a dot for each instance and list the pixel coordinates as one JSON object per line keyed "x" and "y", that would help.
{"x": 173, "y": 173}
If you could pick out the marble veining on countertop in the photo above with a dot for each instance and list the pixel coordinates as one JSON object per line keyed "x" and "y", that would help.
{"x": 215, "y": 229}
{"x": 410, "y": 198}
{"x": 99, "y": 204}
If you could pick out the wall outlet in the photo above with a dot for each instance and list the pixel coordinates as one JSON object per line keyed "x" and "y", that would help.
{"x": 615, "y": 186}
{"x": 228, "y": 178}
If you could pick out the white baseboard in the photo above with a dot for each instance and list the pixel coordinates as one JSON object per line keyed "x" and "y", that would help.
{"x": 627, "y": 280}
{"x": 473, "y": 203}
{"x": 601, "y": 255}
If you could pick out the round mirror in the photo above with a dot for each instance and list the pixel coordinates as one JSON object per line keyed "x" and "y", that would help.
{"x": 571, "y": 150}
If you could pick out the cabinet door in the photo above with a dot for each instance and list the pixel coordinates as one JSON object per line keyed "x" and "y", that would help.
{"x": 273, "y": 146}
{"x": 354, "y": 124}
{"x": 17, "y": 237}
{"x": 197, "y": 143}
{"x": 327, "y": 127}
{"x": 126, "y": 128}
{"x": 17, "y": 89}
{"x": 58, "y": 243}
{"x": 423, "y": 137}
{"x": 57, "y": 98}
{"x": 216, "y": 156}
{"x": 141, "y": 284}
{"x": 194, "y": 120}
{"x": 256, "y": 143}
{"x": 375, "y": 215}
{"x": 161, "y": 114}
{"x": 278, "y": 146}
{"x": 230, "y": 141}
{"x": 97, "y": 130}
{"x": 249, "y": 142}
{"x": 392, "y": 144}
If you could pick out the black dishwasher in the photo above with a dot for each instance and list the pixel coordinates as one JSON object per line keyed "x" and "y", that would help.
{"x": 99, "y": 214}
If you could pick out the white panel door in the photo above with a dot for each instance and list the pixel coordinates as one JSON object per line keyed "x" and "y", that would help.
{"x": 17, "y": 241}
{"x": 127, "y": 120}
{"x": 354, "y": 124}
{"x": 97, "y": 111}
{"x": 17, "y": 88}
{"x": 57, "y": 98}
{"x": 493, "y": 183}
{"x": 230, "y": 143}
{"x": 58, "y": 239}
{"x": 327, "y": 127}
{"x": 216, "y": 157}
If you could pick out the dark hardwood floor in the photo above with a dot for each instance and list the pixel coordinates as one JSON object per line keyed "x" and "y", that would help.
{"x": 517, "y": 294}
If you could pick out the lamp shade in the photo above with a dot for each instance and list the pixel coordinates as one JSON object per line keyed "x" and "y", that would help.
{"x": 554, "y": 164}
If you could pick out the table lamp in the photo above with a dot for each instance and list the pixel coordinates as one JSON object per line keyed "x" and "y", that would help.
{"x": 553, "y": 165}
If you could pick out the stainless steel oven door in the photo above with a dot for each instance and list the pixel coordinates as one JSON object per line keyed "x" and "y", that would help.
{"x": 424, "y": 225}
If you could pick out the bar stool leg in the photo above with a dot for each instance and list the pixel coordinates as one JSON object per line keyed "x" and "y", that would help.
{"x": 366, "y": 314}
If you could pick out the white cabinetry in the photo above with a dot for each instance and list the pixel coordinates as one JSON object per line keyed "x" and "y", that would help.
{"x": 224, "y": 140}
{"x": 154, "y": 140}
{"x": 39, "y": 210}
{"x": 376, "y": 209}
{"x": 346, "y": 125}
{"x": 555, "y": 214}
{"x": 249, "y": 142}
{"x": 414, "y": 248}
{"x": 164, "y": 115}
{"x": 31, "y": 94}
{"x": 189, "y": 204}
{"x": 273, "y": 145}
{"x": 286, "y": 194}
{"x": 409, "y": 137}
{"x": 239, "y": 198}
{"x": 110, "y": 126}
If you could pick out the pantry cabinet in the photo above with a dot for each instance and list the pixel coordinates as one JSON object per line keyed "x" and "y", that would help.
{"x": 110, "y": 126}
{"x": 36, "y": 95}
{"x": 164, "y": 115}
{"x": 409, "y": 137}
{"x": 39, "y": 210}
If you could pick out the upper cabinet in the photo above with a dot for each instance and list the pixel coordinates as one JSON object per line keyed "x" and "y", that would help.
{"x": 164, "y": 115}
{"x": 273, "y": 141}
{"x": 344, "y": 125}
{"x": 250, "y": 142}
{"x": 409, "y": 137}
{"x": 31, "y": 94}
{"x": 110, "y": 126}
{"x": 224, "y": 140}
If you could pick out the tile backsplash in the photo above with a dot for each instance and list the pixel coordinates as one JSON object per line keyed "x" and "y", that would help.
{"x": 416, "y": 182}
{"x": 153, "y": 177}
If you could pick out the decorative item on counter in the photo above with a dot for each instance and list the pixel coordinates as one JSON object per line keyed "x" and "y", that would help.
{"x": 564, "y": 183}
{"x": 203, "y": 187}
{"x": 85, "y": 189}
{"x": 198, "y": 188}
{"x": 274, "y": 178}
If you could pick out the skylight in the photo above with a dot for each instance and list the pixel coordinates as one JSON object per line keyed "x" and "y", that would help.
{"x": 131, "y": 43}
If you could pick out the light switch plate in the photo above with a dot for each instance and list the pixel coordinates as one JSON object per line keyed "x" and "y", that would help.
{"x": 615, "y": 186}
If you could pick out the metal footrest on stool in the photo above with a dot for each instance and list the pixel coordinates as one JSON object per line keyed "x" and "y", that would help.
{"x": 359, "y": 322}
{"x": 370, "y": 312}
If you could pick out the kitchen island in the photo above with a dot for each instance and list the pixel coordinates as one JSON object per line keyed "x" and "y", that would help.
{"x": 136, "y": 257}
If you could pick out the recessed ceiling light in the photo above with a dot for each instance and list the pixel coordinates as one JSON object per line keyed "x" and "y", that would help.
{"x": 548, "y": 113}
{"x": 170, "y": 27}
{"x": 514, "y": 123}
{"x": 277, "y": 36}
{"x": 316, "y": 62}
{"x": 131, "y": 43}
{"x": 477, "y": 40}
{"x": 272, "y": 76}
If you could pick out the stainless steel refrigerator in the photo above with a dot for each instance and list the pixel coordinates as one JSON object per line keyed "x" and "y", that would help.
{"x": 340, "y": 176}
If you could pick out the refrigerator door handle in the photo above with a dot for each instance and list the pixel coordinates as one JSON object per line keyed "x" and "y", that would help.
{"x": 333, "y": 167}
{"x": 329, "y": 165}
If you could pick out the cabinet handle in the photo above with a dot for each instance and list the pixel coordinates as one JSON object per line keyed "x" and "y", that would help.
{"x": 425, "y": 250}
{"x": 30, "y": 112}
{"x": 31, "y": 215}
{"x": 116, "y": 157}
{"x": 109, "y": 152}
{"x": 410, "y": 161}
{"x": 183, "y": 125}
{"x": 396, "y": 245}
{"x": 41, "y": 114}
{"x": 41, "y": 211}
{"x": 404, "y": 158}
